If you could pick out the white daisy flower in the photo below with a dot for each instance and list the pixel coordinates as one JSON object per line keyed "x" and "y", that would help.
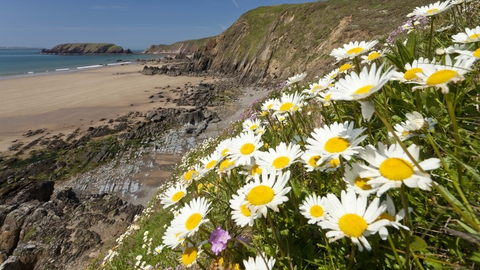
{"x": 211, "y": 161}
{"x": 223, "y": 146}
{"x": 194, "y": 173}
{"x": 336, "y": 140}
{"x": 465, "y": 55}
{"x": 469, "y": 36}
{"x": 414, "y": 126}
{"x": 313, "y": 208}
{"x": 269, "y": 103}
{"x": 190, "y": 217}
{"x": 325, "y": 98}
{"x": 316, "y": 88}
{"x": 345, "y": 67}
{"x": 356, "y": 183}
{"x": 352, "y": 49}
{"x": 251, "y": 125}
{"x": 372, "y": 56}
{"x": 351, "y": 218}
{"x": 455, "y": 48}
{"x": 288, "y": 103}
{"x": 279, "y": 158}
{"x": 240, "y": 212}
{"x": 432, "y": 9}
{"x": 226, "y": 165}
{"x": 190, "y": 255}
{"x": 172, "y": 238}
{"x": 266, "y": 191}
{"x": 297, "y": 78}
{"x": 361, "y": 86}
{"x": 439, "y": 76}
{"x": 245, "y": 148}
{"x": 173, "y": 195}
{"x": 390, "y": 168}
{"x": 393, "y": 217}
{"x": 332, "y": 75}
{"x": 412, "y": 69}
{"x": 313, "y": 160}
{"x": 261, "y": 262}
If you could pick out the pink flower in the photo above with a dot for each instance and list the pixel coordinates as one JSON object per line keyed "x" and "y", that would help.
{"x": 219, "y": 239}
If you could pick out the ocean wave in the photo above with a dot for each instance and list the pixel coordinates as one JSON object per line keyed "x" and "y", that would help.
{"x": 92, "y": 66}
{"x": 62, "y": 69}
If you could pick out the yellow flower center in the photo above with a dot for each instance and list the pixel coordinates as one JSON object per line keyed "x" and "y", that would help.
{"x": 260, "y": 195}
{"x": 475, "y": 36}
{"x": 345, "y": 67}
{"x": 412, "y": 73}
{"x": 396, "y": 169}
{"x": 224, "y": 165}
{"x": 247, "y": 149}
{"x": 363, "y": 90}
{"x": 280, "y": 162}
{"x": 224, "y": 152}
{"x": 269, "y": 106}
{"x": 334, "y": 162}
{"x": 355, "y": 50}
{"x": 245, "y": 211}
{"x": 193, "y": 221}
{"x": 432, "y": 11}
{"x": 286, "y": 106}
{"x": 336, "y": 145}
{"x": 441, "y": 76}
{"x": 253, "y": 127}
{"x": 316, "y": 211}
{"x": 211, "y": 164}
{"x": 405, "y": 133}
{"x": 386, "y": 216}
{"x": 362, "y": 183}
{"x": 373, "y": 56}
{"x": 190, "y": 174}
{"x": 256, "y": 170}
{"x": 327, "y": 97}
{"x": 313, "y": 161}
{"x": 476, "y": 53}
{"x": 352, "y": 225}
{"x": 189, "y": 255}
{"x": 177, "y": 196}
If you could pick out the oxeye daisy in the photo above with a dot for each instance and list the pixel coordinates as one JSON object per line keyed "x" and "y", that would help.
{"x": 266, "y": 191}
{"x": 251, "y": 125}
{"x": 288, "y": 103}
{"x": 415, "y": 125}
{"x": 194, "y": 173}
{"x": 190, "y": 255}
{"x": 223, "y": 146}
{"x": 439, "y": 76}
{"x": 393, "y": 217}
{"x": 245, "y": 148}
{"x": 313, "y": 160}
{"x": 391, "y": 167}
{"x": 279, "y": 158}
{"x": 465, "y": 55}
{"x": 352, "y": 49}
{"x": 211, "y": 161}
{"x": 190, "y": 217}
{"x": 361, "y": 86}
{"x": 297, "y": 78}
{"x": 269, "y": 103}
{"x": 432, "y": 9}
{"x": 261, "y": 262}
{"x": 240, "y": 212}
{"x": 316, "y": 88}
{"x": 336, "y": 140}
{"x": 345, "y": 67}
{"x": 325, "y": 98}
{"x": 313, "y": 208}
{"x": 372, "y": 56}
{"x": 469, "y": 36}
{"x": 332, "y": 75}
{"x": 226, "y": 165}
{"x": 412, "y": 69}
{"x": 356, "y": 183}
{"x": 172, "y": 238}
{"x": 172, "y": 195}
{"x": 351, "y": 218}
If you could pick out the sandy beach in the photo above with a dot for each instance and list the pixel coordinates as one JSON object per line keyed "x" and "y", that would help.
{"x": 60, "y": 103}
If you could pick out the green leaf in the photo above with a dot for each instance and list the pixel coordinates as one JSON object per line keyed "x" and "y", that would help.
{"x": 418, "y": 244}
{"x": 475, "y": 257}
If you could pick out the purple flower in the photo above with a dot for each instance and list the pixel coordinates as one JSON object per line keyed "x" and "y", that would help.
{"x": 219, "y": 239}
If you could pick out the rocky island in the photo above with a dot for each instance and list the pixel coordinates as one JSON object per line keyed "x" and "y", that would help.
{"x": 86, "y": 49}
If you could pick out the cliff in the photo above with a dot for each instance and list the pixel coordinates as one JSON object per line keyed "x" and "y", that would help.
{"x": 270, "y": 44}
{"x": 181, "y": 47}
{"x": 86, "y": 48}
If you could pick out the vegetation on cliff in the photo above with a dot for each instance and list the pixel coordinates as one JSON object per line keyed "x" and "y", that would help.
{"x": 373, "y": 166}
{"x": 86, "y": 48}
{"x": 181, "y": 47}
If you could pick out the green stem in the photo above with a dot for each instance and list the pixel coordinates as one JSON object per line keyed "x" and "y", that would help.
{"x": 429, "y": 52}
{"x": 298, "y": 130}
{"x": 453, "y": 119}
{"x": 336, "y": 111}
{"x": 394, "y": 250}
{"x": 352, "y": 256}
{"x": 408, "y": 223}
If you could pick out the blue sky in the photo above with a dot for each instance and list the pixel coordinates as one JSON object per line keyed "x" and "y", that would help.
{"x": 130, "y": 24}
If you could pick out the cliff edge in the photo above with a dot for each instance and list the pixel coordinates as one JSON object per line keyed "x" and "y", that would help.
{"x": 86, "y": 48}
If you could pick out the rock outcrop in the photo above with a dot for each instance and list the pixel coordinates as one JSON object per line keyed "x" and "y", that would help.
{"x": 86, "y": 49}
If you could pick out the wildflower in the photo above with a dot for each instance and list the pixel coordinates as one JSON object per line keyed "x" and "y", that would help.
{"x": 313, "y": 208}
{"x": 393, "y": 217}
{"x": 226, "y": 165}
{"x": 391, "y": 167}
{"x": 267, "y": 192}
{"x": 415, "y": 125}
{"x": 279, "y": 158}
{"x": 351, "y": 218}
{"x": 251, "y": 125}
{"x": 219, "y": 239}
{"x": 190, "y": 255}
{"x": 439, "y": 76}
{"x": 361, "y": 86}
{"x": 412, "y": 69}
{"x": 223, "y": 146}
{"x": 336, "y": 140}
{"x": 240, "y": 212}
{"x": 316, "y": 88}
{"x": 352, "y": 49}
{"x": 432, "y": 9}
{"x": 172, "y": 195}
{"x": 313, "y": 160}
{"x": 261, "y": 262}
{"x": 469, "y": 36}
{"x": 159, "y": 249}
{"x": 465, "y": 55}
{"x": 332, "y": 75}
{"x": 211, "y": 161}
{"x": 268, "y": 104}
{"x": 372, "y": 56}
{"x": 245, "y": 148}
{"x": 191, "y": 216}
{"x": 172, "y": 238}
{"x": 288, "y": 103}
{"x": 356, "y": 183}
{"x": 297, "y": 78}
{"x": 194, "y": 173}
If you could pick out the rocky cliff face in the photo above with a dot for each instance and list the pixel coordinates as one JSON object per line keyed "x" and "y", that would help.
{"x": 181, "y": 47}
{"x": 270, "y": 44}
{"x": 86, "y": 48}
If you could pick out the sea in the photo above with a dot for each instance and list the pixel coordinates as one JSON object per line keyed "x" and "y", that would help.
{"x": 29, "y": 62}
